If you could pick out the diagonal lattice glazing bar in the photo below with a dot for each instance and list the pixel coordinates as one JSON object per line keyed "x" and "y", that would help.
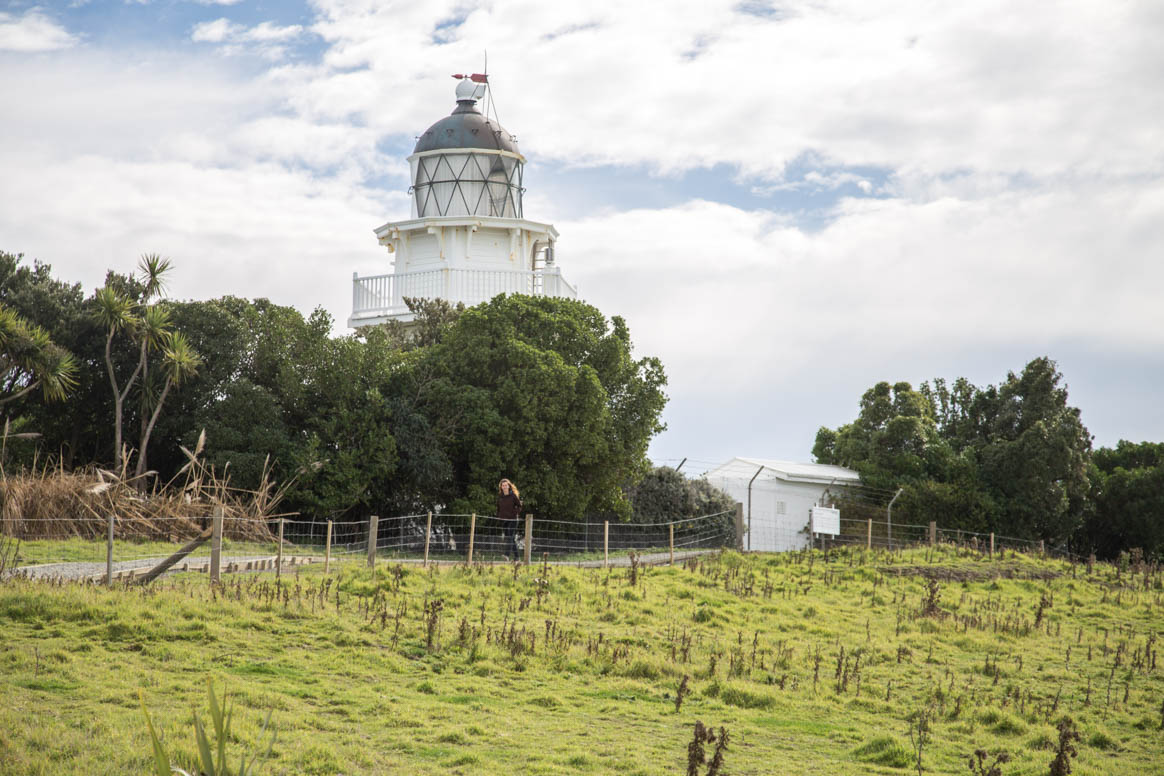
{"x": 468, "y": 184}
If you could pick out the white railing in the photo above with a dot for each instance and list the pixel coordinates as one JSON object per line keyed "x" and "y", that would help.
{"x": 383, "y": 295}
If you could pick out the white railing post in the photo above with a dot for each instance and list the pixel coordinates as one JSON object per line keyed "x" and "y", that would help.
{"x": 385, "y": 293}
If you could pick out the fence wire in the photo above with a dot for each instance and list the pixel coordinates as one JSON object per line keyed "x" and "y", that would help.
{"x": 449, "y": 537}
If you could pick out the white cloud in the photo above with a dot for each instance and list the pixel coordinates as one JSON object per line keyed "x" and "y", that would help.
{"x": 135, "y": 104}
{"x": 265, "y": 38}
{"x": 256, "y": 229}
{"x": 768, "y": 331}
{"x": 215, "y": 31}
{"x": 33, "y": 32}
{"x": 887, "y": 276}
{"x": 1005, "y": 87}
{"x": 218, "y": 2}
{"x": 267, "y": 32}
{"x": 1015, "y": 152}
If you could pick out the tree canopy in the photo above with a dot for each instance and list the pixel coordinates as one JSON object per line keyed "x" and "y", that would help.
{"x": 547, "y": 392}
{"x": 1125, "y": 507}
{"x": 389, "y": 420}
{"x": 1011, "y": 458}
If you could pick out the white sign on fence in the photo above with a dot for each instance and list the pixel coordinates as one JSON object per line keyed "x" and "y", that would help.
{"x": 826, "y": 520}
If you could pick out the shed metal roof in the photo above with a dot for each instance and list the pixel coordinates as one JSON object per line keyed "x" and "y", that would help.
{"x": 786, "y": 470}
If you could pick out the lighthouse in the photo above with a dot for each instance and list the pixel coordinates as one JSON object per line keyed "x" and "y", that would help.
{"x": 467, "y": 239}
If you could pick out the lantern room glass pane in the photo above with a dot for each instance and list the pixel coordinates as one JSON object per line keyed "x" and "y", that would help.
{"x": 462, "y": 184}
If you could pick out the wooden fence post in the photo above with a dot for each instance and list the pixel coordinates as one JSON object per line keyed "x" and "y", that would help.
{"x": 740, "y": 526}
{"x": 992, "y": 544}
{"x": 1042, "y": 548}
{"x": 933, "y": 532}
{"x": 372, "y": 529}
{"x": 279, "y": 552}
{"x": 869, "y": 535}
{"x": 109, "y": 555}
{"x": 427, "y": 536}
{"x": 216, "y": 546}
{"x": 327, "y": 550}
{"x": 169, "y": 562}
{"x": 528, "y": 537}
{"x": 671, "y": 539}
{"x": 472, "y": 533}
{"x": 605, "y": 544}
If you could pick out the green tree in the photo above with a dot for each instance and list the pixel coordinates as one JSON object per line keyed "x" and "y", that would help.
{"x": 389, "y": 420}
{"x": 1126, "y": 500}
{"x": 1010, "y": 458}
{"x": 131, "y": 312}
{"x": 115, "y": 312}
{"x": 180, "y": 362}
{"x": 665, "y": 494}
{"x": 348, "y": 453}
{"x": 543, "y": 391}
{"x": 1034, "y": 455}
{"x": 894, "y": 440}
{"x": 243, "y": 422}
{"x": 75, "y": 429}
{"x": 279, "y": 394}
{"x": 29, "y": 360}
{"x": 1129, "y": 455}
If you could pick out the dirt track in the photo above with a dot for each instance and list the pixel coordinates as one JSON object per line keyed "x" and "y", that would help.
{"x": 127, "y": 570}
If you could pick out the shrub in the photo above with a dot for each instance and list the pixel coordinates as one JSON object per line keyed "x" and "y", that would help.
{"x": 1101, "y": 740}
{"x": 642, "y": 670}
{"x": 1002, "y": 724}
{"x": 885, "y": 750}
{"x": 745, "y": 699}
{"x": 1008, "y": 726}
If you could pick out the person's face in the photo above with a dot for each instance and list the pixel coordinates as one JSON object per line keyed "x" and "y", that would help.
{"x": 505, "y": 487}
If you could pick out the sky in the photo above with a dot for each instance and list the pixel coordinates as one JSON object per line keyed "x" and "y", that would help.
{"x": 788, "y": 202}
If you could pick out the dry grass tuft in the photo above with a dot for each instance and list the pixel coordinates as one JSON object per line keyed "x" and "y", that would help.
{"x": 51, "y": 503}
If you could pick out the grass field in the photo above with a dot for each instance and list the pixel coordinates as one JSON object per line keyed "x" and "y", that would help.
{"x": 46, "y": 551}
{"x": 37, "y": 551}
{"x": 813, "y": 664}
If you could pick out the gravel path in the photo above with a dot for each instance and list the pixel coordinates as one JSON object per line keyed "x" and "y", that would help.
{"x": 129, "y": 569}
{"x": 135, "y": 568}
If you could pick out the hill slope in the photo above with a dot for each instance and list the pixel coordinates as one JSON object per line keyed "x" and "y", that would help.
{"x": 814, "y": 664}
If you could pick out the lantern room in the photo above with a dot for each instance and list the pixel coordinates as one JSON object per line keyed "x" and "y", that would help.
{"x": 466, "y": 164}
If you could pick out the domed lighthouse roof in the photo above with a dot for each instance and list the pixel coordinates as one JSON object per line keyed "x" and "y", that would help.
{"x": 466, "y": 127}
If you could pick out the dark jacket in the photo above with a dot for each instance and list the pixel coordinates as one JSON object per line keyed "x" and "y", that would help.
{"x": 508, "y": 506}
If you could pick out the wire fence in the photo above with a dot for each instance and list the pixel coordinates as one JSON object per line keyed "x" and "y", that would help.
{"x": 884, "y": 534}
{"x": 485, "y": 538}
{"x": 443, "y": 537}
{"x": 121, "y": 552}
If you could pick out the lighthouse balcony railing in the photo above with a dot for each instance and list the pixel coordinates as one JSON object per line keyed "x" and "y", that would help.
{"x": 383, "y": 295}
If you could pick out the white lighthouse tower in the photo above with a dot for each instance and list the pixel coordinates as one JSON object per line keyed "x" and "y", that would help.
{"x": 468, "y": 239}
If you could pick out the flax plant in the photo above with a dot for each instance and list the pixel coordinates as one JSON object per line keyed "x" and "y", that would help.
{"x": 221, "y": 715}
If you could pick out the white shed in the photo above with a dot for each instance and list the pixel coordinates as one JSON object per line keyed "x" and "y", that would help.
{"x": 781, "y": 495}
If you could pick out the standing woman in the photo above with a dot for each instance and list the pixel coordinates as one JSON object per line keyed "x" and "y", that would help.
{"x": 508, "y": 511}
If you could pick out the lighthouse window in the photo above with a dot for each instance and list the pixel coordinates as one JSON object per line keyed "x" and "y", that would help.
{"x": 451, "y": 184}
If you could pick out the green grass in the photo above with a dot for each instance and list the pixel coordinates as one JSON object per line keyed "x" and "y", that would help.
{"x": 36, "y": 551}
{"x": 352, "y": 692}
